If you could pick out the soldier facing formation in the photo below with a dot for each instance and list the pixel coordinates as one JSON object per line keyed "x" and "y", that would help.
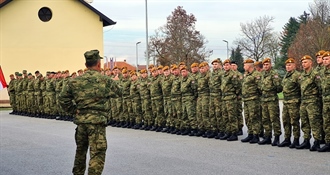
{"x": 192, "y": 100}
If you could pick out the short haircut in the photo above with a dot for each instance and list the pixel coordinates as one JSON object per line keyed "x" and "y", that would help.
{"x": 92, "y": 63}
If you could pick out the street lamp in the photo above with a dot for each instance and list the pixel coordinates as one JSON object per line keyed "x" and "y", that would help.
{"x": 137, "y": 60}
{"x": 227, "y": 47}
{"x": 147, "y": 50}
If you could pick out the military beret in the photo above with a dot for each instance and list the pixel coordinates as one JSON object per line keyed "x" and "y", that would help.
{"x": 153, "y": 69}
{"x": 203, "y": 64}
{"x": 133, "y": 73}
{"x": 160, "y": 67}
{"x": 216, "y": 61}
{"x": 52, "y": 72}
{"x": 194, "y": 65}
{"x": 67, "y": 71}
{"x": 86, "y": 69}
{"x": 248, "y": 61}
{"x": 73, "y": 73}
{"x": 151, "y": 66}
{"x": 306, "y": 57}
{"x": 266, "y": 60}
{"x": 124, "y": 71}
{"x": 183, "y": 68}
{"x": 326, "y": 54}
{"x": 174, "y": 67}
{"x": 11, "y": 75}
{"x": 166, "y": 68}
{"x": 226, "y": 61}
{"x": 20, "y": 74}
{"x": 29, "y": 73}
{"x": 290, "y": 60}
{"x": 80, "y": 70}
{"x": 320, "y": 53}
{"x": 36, "y": 72}
{"x": 24, "y": 71}
{"x": 257, "y": 63}
{"x": 16, "y": 73}
{"x": 143, "y": 71}
{"x": 92, "y": 55}
{"x": 182, "y": 63}
{"x": 59, "y": 72}
{"x": 115, "y": 67}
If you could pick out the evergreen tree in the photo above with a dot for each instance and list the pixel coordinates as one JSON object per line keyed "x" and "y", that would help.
{"x": 236, "y": 56}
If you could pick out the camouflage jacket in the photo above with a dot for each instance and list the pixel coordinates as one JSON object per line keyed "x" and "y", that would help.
{"x": 126, "y": 84}
{"x": 188, "y": 86}
{"x": 250, "y": 86}
{"x": 230, "y": 85}
{"x": 166, "y": 83}
{"x": 325, "y": 84}
{"x": 11, "y": 87}
{"x": 155, "y": 88}
{"x": 270, "y": 85}
{"x": 176, "y": 90}
{"x": 203, "y": 83}
{"x": 144, "y": 88}
{"x": 310, "y": 86}
{"x": 134, "y": 89}
{"x": 86, "y": 95}
{"x": 30, "y": 86}
{"x": 215, "y": 82}
{"x": 291, "y": 87}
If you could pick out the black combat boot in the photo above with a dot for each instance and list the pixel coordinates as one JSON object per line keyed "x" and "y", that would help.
{"x": 186, "y": 132}
{"x": 255, "y": 139}
{"x": 325, "y": 148}
{"x": 316, "y": 146}
{"x": 265, "y": 141}
{"x": 200, "y": 133}
{"x": 286, "y": 142}
{"x": 166, "y": 129}
{"x": 153, "y": 128}
{"x": 240, "y": 132}
{"x": 174, "y": 131}
{"x": 220, "y": 134}
{"x": 193, "y": 132}
{"x": 304, "y": 145}
{"x": 147, "y": 128}
{"x": 159, "y": 129}
{"x": 248, "y": 138}
{"x": 276, "y": 141}
{"x": 226, "y": 136}
{"x": 211, "y": 134}
{"x": 233, "y": 137}
{"x": 261, "y": 134}
{"x": 295, "y": 143}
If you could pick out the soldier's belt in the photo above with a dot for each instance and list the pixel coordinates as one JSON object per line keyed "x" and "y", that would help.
{"x": 249, "y": 95}
{"x": 268, "y": 95}
{"x": 187, "y": 95}
{"x": 309, "y": 97}
{"x": 228, "y": 94}
{"x": 291, "y": 97}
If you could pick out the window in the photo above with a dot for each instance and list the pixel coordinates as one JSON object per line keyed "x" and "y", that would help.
{"x": 45, "y": 14}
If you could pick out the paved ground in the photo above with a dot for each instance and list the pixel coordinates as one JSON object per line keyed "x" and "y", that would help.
{"x": 32, "y": 146}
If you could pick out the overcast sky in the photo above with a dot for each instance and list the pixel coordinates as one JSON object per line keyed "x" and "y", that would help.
{"x": 217, "y": 20}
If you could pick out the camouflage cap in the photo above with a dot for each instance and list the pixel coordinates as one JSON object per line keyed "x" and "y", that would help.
{"x": 20, "y": 74}
{"x": 24, "y": 71}
{"x": 92, "y": 55}
{"x": 29, "y": 73}
{"x": 16, "y": 73}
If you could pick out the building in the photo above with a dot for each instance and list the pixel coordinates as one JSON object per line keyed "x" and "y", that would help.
{"x": 48, "y": 35}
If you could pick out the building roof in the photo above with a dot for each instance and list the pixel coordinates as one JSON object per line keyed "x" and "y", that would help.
{"x": 121, "y": 64}
{"x": 106, "y": 21}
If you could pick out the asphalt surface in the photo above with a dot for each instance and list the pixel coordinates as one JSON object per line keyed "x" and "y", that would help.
{"x": 33, "y": 146}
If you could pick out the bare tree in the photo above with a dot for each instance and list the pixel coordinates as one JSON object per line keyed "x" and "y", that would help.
{"x": 178, "y": 40}
{"x": 257, "y": 38}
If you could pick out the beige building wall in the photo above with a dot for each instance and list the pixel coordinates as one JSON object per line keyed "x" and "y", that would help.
{"x": 28, "y": 43}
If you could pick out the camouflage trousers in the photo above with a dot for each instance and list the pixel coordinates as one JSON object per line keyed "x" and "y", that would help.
{"x": 311, "y": 119}
{"x": 240, "y": 122}
{"x": 326, "y": 121}
{"x": 229, "y": 114}
{"x": 12, "y": 100}
{"x": 38, "y": 102}
{"x": 137, "y": 110}
{"x": 290, "y": 118}
{"x": 271, "y": 118}
{"x": 50, "y": 103}
{"x": 176, "y": 105}
{"x": 203, "y": 120}
{"x": 115, "y": 105}
{"x": 158, "y": 110}
{"x": 252, "y": 116}
{"x": 126, "y": 110}
{"x": 188, "y": 117}
{"x": 93, "y": 136}
{"x": 30, "y": 102}
{"x": 168, "y": 112}
{"x": 146, "y": 111}
{"x": 215, "y": 113}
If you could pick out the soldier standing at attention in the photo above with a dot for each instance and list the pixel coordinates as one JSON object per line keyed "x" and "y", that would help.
{"x": 218, "y": 126}
{"x": 310, "y": 109}
{"x": 126, "y": 100}
{"x": 90, "y": 92}
{"x": 258, "y": 66}
{"x": 251, "y": 97}
{"x": 194, "y": 70}
{"x": 166, "y": 82}
{"x": 11, "y": 93}
{"x": 188, "y": 88}
{"x": 176, "y": 103}
{"x": 230, "y": 89}
{"x": 325, "y": 84}
{"x": 270, "y": 86}
{"x": 291, "y": 103}
{"x": 145, "y": 100}
{"x": 136, "y": 100}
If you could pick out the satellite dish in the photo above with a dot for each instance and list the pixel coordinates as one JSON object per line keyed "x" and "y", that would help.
{"x": 89, "y": 1}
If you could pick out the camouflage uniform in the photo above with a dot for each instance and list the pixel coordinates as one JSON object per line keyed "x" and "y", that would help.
{"x": 166, "y": 83}
{"x": 251, "y": 97}
{"x": 157, "y": 102}
{"x": 12, "y": 94}
{"x": 30, "y": 97}
{"x": 38, "y": 95}
{"x": 203, "y": 102}
{"x": 270, "y": 86}
{"x": 146, "y": 102}
{"x": 89, "y": 92}
{"x": 325, "y": 84}
{"x": 291, "y": 104}
{"x": 188, "y": 90}
{"x": 230, "y": 89}
{"x": 215, "y": 110}
{"x": 176, "y": 103}
{"x": 310, "y": 109}
{"x": 136, "y": 102}
{"x": 127, "y": 103}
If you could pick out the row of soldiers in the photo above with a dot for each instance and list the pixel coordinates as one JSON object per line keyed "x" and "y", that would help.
{"x": 197, "y": 102}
